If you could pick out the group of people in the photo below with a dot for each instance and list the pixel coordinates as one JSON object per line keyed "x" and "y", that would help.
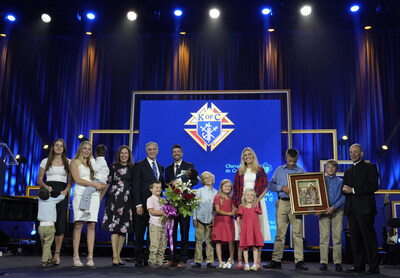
{"x": 235, "y": 213}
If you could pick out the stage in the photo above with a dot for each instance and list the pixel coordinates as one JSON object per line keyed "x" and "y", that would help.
{"x": 28, "y": 266}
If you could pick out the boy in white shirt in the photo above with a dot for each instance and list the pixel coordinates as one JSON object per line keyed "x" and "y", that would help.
{"x": 101, "y": 172}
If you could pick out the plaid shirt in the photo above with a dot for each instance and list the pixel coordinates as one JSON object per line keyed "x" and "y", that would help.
{"x": 260, "y": 185}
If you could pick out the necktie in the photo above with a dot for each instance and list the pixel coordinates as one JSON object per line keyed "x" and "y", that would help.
{"x": 155, "y": 170}
{"x": 177, "y": 170}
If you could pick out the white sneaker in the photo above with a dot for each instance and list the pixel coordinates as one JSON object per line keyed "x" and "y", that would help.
{"x": 228, "y": 264}
{"x": 221, "y": 265}
{"x": 254, "y": 267}
{"x": 247, "y": 267}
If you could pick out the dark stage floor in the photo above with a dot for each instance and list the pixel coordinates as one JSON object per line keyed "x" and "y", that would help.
{"x": 28, "y": 266}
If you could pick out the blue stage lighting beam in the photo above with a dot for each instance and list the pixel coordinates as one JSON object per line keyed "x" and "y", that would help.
{"x": 178, "y": 12}
{"x": 11, "y": 17}
{"x": 91, "y": 16}
{"x": 354, "y": 8}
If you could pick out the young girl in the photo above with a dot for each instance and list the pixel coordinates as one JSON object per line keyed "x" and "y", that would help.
{"x": 249, "y": 228}
{"x": 224, "y": 227}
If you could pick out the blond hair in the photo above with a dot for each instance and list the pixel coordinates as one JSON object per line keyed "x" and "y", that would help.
{"x": 79, "y": 157}
{"x": 254, "y": 164}
{"x": 248, "y": 190}
{"x": 222, "y": 194}
{"x": 203, "y": 177}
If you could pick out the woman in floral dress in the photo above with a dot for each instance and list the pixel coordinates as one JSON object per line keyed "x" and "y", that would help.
{"x": 118, "y": 213}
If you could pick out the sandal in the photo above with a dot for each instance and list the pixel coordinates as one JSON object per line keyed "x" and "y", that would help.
{"x": 77, "y": 261}
{"x": 43, "y": 265}
{"x": 247, "y": 267}
{"x": 54, "y": 261}
{"x": 221, "y": 265}
{"x": 228, "y": 264}
{"x": 240, "y": 267}
{"x": 89, "y": 261}
{"x": 254, "y": 267}
{"x": 259, "y": 265}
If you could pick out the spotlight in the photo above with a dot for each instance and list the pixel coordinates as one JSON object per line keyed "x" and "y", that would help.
{"x": 46, "y": 147}
{"x": 90, "y": 15}
{"x": 354, "y": 8}
{"x": 384, "y": 147}
{"x": 3, "y": 35}
{"x": 214, "y": 13}
{"x": 367, "y": 27}
{"x": 344, "y": 138}
{"x": 21, "y": 159}
{"x": 266, "y": 11}
{"x": 82, "y": 138}
{"x": 306, "y": 10}
{"x": 10, "y": 17}
{"x": 45, "y": 18}
{"x": 178, "y": 12}
{"x": 182, "y": 33}
{"x": 271, "y": 30}
{"x": 132, "y": 16}
{"x": 89, "y": 33}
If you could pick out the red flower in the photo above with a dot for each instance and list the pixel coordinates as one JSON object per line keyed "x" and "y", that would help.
{"x": 176, "y": 191}
{"x": 173, "y": 187}
{"x": 186, "y": 196}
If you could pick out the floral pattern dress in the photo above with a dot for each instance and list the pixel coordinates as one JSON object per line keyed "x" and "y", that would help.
{"x": 118, "y": 212}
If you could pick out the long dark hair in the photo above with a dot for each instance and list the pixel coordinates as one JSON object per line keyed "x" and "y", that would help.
{"x": 118, "y": 154}
{"x": 52, "y": 155}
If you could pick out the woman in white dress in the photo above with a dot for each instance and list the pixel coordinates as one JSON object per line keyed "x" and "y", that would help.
{"x": 251, "y": 175}
{"x": 56, "y": 170}
{"x": 82, "y": 174}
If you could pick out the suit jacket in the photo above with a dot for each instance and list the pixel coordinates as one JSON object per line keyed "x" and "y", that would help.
{"x": 170, "y": 175}
{"x": 364, "y": 179}
{"x": 143, "y": 175}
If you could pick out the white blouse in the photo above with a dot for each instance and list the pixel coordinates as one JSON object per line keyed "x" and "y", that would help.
{"x": 55, "y": 173}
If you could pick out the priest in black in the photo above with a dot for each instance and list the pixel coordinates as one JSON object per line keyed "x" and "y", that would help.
{"x": 360, "y": 182}
{"x": 173, "y": 170}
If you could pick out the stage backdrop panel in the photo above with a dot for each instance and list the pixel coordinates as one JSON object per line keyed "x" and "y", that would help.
{"x": 213, "y": 135}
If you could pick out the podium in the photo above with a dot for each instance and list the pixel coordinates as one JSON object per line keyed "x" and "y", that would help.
{"x": 7, "y": 159}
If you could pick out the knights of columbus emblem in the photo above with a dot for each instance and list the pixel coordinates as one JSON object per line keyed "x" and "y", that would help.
{"x": 210, "y": 126}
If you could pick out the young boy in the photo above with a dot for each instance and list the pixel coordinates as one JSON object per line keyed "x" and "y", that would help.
{"x": 203, "y": 220}
{"x": 158, "y": 240}
{"x": 332, "y": 214}
{"x": 279, "y": 184}
{"x": 47, "y": 215}
{"x": 101, "y": 172}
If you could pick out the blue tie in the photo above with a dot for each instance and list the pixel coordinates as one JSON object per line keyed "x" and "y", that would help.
{"x": 155, "y": 170}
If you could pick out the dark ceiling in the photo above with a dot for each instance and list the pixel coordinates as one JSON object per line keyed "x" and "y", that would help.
{"x": 156, "y": 15}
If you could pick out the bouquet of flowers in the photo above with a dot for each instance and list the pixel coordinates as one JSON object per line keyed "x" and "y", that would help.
{"x": 180, "y": 199}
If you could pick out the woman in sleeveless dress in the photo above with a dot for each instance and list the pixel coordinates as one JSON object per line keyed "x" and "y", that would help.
{"x": 82, "y": 174}
{"x": 56, "y": 169}
{"x": 251, "y": 175}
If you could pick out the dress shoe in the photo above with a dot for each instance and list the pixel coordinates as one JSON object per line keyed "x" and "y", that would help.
{"x": 121, "y": 263}
{"x": 373, "y": 271}
{"x": 323, "y": 267}
{"x": 171, "y": 264}
{"x": 181, "y": 264}
{"x": 273, "y": 264}
{"x": 355, "y": 270}
{"x": 211, "y": 266}
{"x": 301, "y": 265}
{"x": 196, "y": 265}
{"x": 338, "y": 268}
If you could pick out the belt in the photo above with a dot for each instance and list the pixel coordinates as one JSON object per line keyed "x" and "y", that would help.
{"x": 284, "y": 198}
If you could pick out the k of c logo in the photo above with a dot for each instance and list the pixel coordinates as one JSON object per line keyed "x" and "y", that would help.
{"x": 210, "y": 125}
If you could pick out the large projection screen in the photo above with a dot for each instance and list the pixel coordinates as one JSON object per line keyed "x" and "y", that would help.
{"x": 213, "y": 134}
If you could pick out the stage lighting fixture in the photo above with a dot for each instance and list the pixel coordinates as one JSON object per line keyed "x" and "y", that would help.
{"x": 33, "y": 232}
{"x": 90, "y": 15}
{"x": 3, "y": 35}
{"x": 46, "y": 147}
{"x": 367, "y": 27}
{"x": 214, "y": 13}
{"x": 306, "y": 10}
{"x": 89, "y": 33}
{"x": 266, "y": 11}
{"x": 10, "y": 17}
{"x": 354, "y": 8}
{"x": 271, "y": 30}
{"x": 384, "y": 147}
{"x": 132, "y": 16}
{"x": 46, "y": 18}
{"x": 21, "y": 159}
{"x": 178, "y": 12}
{"x": 82, "y": 138}
{"x": 345, "y": 137}
{"x": 182, "y": 33}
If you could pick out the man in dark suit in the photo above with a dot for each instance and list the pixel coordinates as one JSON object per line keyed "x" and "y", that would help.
{"x": 171, "y": 172}
{"x": 360, "y": 181}
{"x": 144, "y": 173}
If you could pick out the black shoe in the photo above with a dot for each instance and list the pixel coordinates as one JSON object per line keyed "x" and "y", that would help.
{"x": 301, "y": 266}
{"x": 122, "y": 263}
{"x": 273, "y": 264}
{"x": 196, "y": 265}
{"x": 114, "y": 264}
{"x": 373, "y": 271}
{"x": 139, "y": 264}
{"x": 211, "y": 266}
{"x": 146, "y": 263}
{"x": 355, "y": 270}
{"x": 323, "y": 267}
{"x": 338, "y": 268}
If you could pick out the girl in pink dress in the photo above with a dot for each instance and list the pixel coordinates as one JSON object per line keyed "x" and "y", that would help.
{"x": 249, "y": 227}
{"x": 224, "y": 227}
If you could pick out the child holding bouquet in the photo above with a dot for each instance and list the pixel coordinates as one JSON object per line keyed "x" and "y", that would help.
{"x": 203, "y": 220}
{"x": 249, "y": 227}
{"x": 224, "y": 227}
